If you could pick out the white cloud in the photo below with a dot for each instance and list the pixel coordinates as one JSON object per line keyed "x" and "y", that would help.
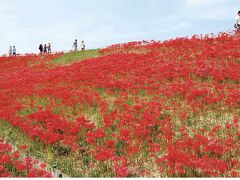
{"x": 197, "y": 3}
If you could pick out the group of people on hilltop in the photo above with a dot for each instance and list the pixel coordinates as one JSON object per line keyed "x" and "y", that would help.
{"x": 75, "y": 45}
{"x": 45, "y": 49}
{"x": 12, "y": 51}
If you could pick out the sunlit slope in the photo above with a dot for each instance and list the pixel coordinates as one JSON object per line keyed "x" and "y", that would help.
{"x": 140, "y": 109}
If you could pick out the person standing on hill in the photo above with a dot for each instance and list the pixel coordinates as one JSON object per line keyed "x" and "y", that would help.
{"x": 49, "y": 48}
{"x": 14, "y": 51}
{"x": 41, "y": 48}
{"x": 45, "y": 49}
{"x": 82, "y": 46}
{"x": 75, "y": 45}
{"x": 10, "y": 51}
{"x": 237, "y": 21}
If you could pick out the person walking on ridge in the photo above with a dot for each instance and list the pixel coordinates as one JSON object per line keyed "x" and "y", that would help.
{"x": 49, "y": 48}
{"x": 41, "y": 48}
{"x": 237, "y": 22}
{"x": 82, "y": 46}
{"x": 10, "y": 52}
{"x": 14, "y": 51}
{"x": 75, "y": 45}
{"x": 45, "y": 49}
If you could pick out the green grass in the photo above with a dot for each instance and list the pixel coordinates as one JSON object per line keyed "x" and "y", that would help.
{"x": 71, "y": 57}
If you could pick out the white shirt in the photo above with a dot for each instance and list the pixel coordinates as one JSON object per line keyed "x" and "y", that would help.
{"x": 14, "y": 50}
{"x": 237, "y": 19}
{"x": 82, "y": 45}
{"x": 10, "y": 50}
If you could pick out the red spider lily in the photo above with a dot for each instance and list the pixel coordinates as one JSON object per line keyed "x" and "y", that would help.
{"x": 99, "y": 133}
{"x": 43, "y": 166}
{"x": 234, "y": 174}
{"x": 2, "y": 168}
{"x": 110, "y": 143}
{"x": 16, "y": 155}
{"x": 5, "y": 159}
{"x": 5, "y": 148}
{"x": 23, "y": 147}
{"x": 121, "y": 171}
{"x": 124, "y": 134}
{"x": 6, "y": 175}
{"x": 20, "y": 166}
{"x": 39, "y": 173}
{"x": 103, "y": 154}
{"x": 154, "y": 148}
{"x": 138, "y": 101}
{"x": 50, "y": 137}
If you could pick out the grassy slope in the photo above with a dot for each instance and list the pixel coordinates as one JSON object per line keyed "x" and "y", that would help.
{"x": 76, "y": 56}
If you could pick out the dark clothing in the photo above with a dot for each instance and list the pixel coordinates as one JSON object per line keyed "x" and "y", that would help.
{"x": 41, "y": 48}
{"x": 14, "y": 51}
{"x": 45, "y": 48}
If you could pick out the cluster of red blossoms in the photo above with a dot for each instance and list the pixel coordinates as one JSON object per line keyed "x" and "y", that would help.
{"x": 144, "y": 109}
{"x": 12, "y": 164}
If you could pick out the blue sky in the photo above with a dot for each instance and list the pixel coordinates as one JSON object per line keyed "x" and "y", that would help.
{"x": 27, "y": 23}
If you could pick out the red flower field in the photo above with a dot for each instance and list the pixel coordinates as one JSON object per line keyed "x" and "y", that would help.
{"x": 141, "y": 109}
{"x": 12, "y": 164}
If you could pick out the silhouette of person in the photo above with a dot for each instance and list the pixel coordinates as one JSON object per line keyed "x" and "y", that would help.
{"x": 45, "y": 49}
{"x": 10, "y": 52}
{"x": 82, "y": 46}
{"x": 75, "y": 45}
{"x": 41, "y": 48}
{"x": 14, "y": 51}
{"x": 49, "y": 48}
{"x": 237, "y": 21}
